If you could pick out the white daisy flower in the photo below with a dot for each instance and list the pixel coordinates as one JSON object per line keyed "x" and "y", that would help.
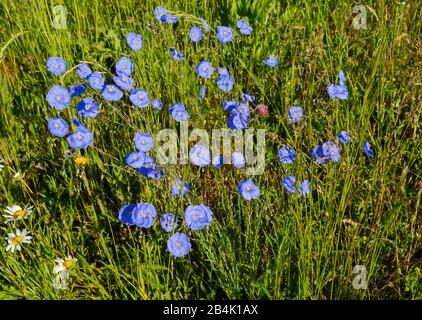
{"x": 15, "y": 240}
{"x": 15, "y": 212}
{"x": 64, "y": 265}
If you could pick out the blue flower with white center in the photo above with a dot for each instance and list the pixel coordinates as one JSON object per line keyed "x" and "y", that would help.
{"x": 304, "y": 188}
{"x": 96, "y": 81}
{"x": 134, "y": 41}
{"x": 125, "y": 82}
{"x": 230, "y": 105}
{"x": 202, "y": 92}
{"x": 331, "y": 150}
{"x": 124, "y": 66}
{"x": 200, "y": 155}
{"x": 153, "y": 172}
{"x": 125, "y": 214}
{"x": 289, "y": 183}
{"x": 143, "y": 141}
{"x": 176, "y": 55}
{"x": 338, "y": 91}
{"x": 295, "y": 114}
{"x": 286, "y": 155}
{"x": 248, "y": 98}
{"x": 58, "y": 97}
{"x": 178, "y": 112}
{"x": 78, "y": 90}
{"x": 198, "y": 217}
{"x": 178, "y": 245}
{"x": 238, "y": 160}
{"x": 319, "y": 156}
{"x": 168, "y": 222}
{"x": 244, "y": 27}
{"x": 143, "y": 215}
{"x": 224, "y": 34}
{"x": 248, "y": 190}
{"x": 238, "y": 120}
{"x": 83, "y": 70}
{"x": 135, "y": 159}
{"x": 271, "y": 61}
{"x": 218, "y": 161}
{"x": 157, "y": 104}
{"x": 112, "y": 93}
{"x": 58, "y": 127}
{"x": 140, "y": 98}
{"x": 344, "y": 138}
{"x": 56, "y": 65}
{"x": 204, "y": 69}
{"x": 81, "y": 138}
{"x": 195, "y": 34}
{"x": 87, "y": 108}
{"x": 148, "y": 167}
{"x": 178, "y": 188}
{"x": 205, "y": 25}
{"x": 225, "y": 83}
{"x": 367, "y": 149}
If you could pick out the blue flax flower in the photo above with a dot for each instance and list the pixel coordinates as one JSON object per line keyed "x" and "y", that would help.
{"x": 344, "y": 137}
{"x": 367, "y": 149}
{"x": 157, "y": 104}
{"x": 143, "y": 141}
{"x": 178, "y": 245}
{"x": 124, "y": 66}
{"x": 58, "y": 97}
{"x": 304, "y": 187}
{"x": 238, "y": 160}
{"x": 248, "y": 190}
{"x": 81, "y": 138}
{"x": 238, "y": 120}
{"x": 319, "y": 156}
{"x": 271, "y": 61}
{"x": 143, "y": 215}
{"x": 135, "y": 159}
{"x": 200, "y": 155}
{"x": 96, "y": 81}
{"x": 198, "y": 217}
{"x": 176, "y": 55}
{"x": 225, "y": 82}
{"x": 248, "y": 98}
{"x": 112, "y": 93}
{"x": 78, "y": 90}
{"x": 178, "y": 188}
{"x": 140, "y": 98}
{"x": 58, "y": 127}
{"x": 244, "y": 27}
{"x": 83, "y": 70}
{"x": 223, "y": 72}
{"x": 125, "y": 214}
{"x": 230, "y": 105}
{"x": 295, "y": 114}
{"x": 338, "y": 91}
{"x": 168, "y": 222}
{"x": 224, "y": 34}
{"x": 286, "y": 155}
{"x": 202, "y": 92}
{"x": 289, "y": 183}
{"x": 195, "y": 34}
{"x": 87, "y": 108}
{"x": 204, "y": 69}
{"x": 218, "y": 161}
{"x": 125, "y": 82}
{"x": 178, "y": 112}
{"x": 56, "y": 65}
{"x": 134, "y": 41}
{"x": 331, "y": 150}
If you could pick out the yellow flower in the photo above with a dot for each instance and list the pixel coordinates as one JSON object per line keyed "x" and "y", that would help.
{"x": 81, "y": 161}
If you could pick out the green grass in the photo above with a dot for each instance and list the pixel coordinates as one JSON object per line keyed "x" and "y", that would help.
{"x": 278, "y": 247}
